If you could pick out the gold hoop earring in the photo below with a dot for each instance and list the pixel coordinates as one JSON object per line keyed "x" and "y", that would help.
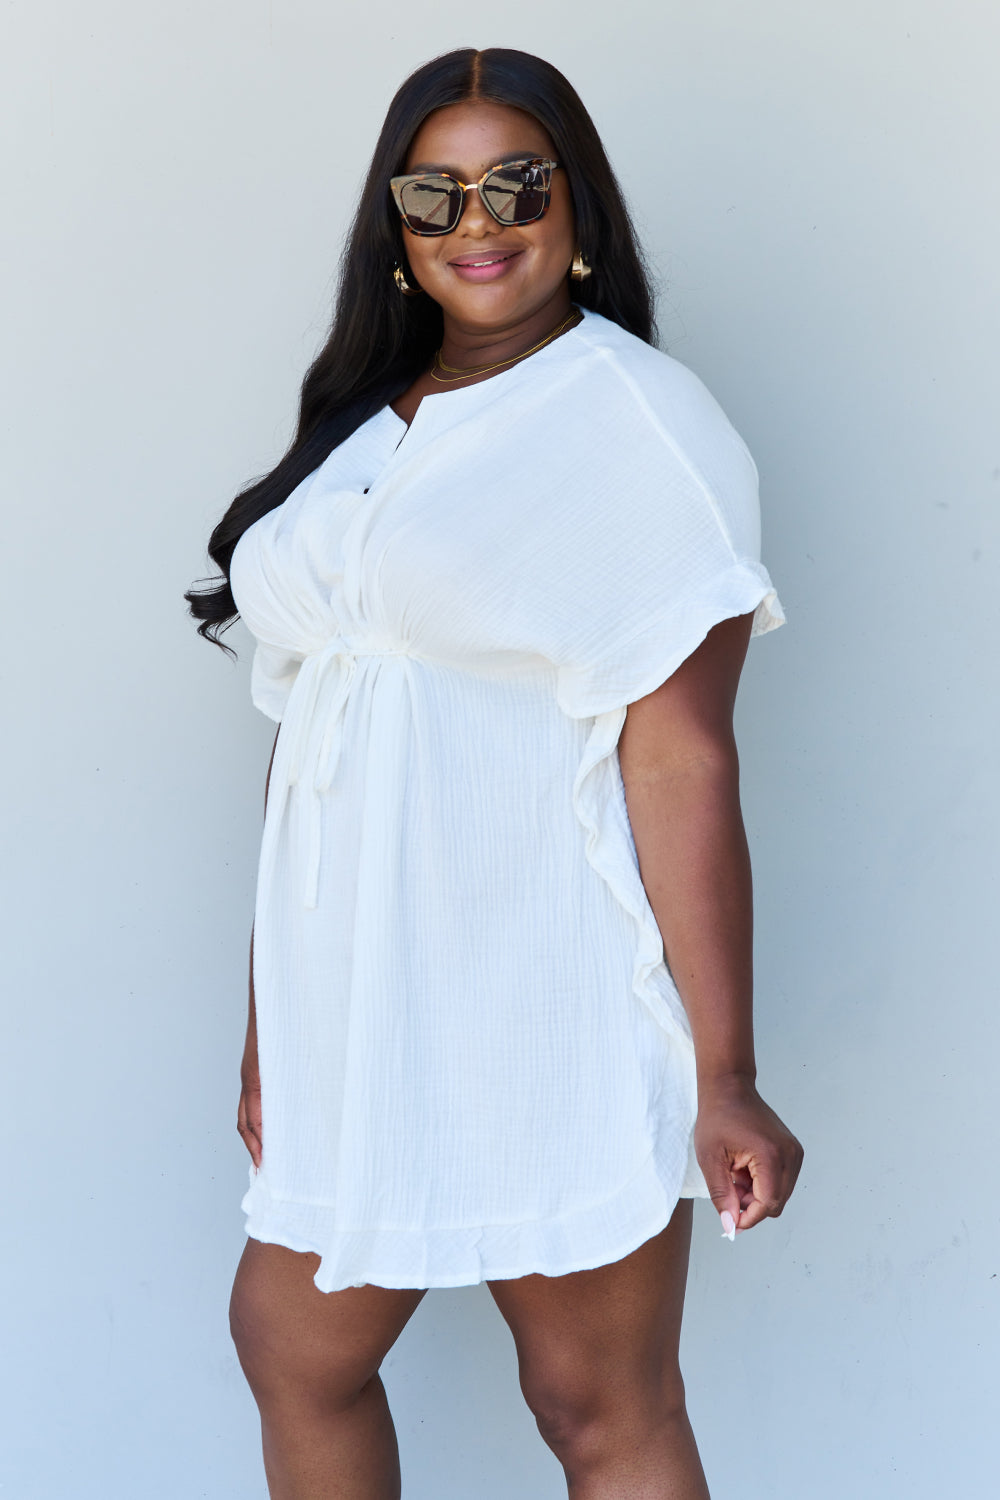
{"x": 402, "y": 285}
{"x": 579, "y": 270}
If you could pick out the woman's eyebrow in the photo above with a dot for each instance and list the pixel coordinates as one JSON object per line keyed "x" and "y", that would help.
{"x": 496, "y": 161}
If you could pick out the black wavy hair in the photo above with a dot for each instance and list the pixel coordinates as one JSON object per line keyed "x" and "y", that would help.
{"x": 380, "y": 341}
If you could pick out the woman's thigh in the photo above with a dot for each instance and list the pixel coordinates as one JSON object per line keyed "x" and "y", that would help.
{"x": 292, "y": 1337}
{"x": 602, "y": 1345}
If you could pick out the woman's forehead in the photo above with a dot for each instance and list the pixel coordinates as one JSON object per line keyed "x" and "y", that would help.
{"x": 468, "y": 138}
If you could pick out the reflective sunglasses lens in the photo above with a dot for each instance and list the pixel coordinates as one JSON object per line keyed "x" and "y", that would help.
{"x": 431, "y": 204}
{"x": 516, "y": 193}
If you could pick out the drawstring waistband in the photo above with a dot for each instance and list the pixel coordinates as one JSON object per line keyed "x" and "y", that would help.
{"x": 329, "y": 674}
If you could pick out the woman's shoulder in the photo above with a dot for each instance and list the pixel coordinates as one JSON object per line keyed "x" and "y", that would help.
{"x": 676, "y": 402}
{"x": 651, "y": 374}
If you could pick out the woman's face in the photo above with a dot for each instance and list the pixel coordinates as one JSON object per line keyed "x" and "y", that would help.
{"x": 487, "y": 276}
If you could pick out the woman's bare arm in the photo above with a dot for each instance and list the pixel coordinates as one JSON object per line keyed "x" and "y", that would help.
{"x": 248, "y": 1120}
{"x": 681, "y": 775}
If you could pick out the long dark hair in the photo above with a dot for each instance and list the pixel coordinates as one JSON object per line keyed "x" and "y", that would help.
{"x": 380, "y": 341}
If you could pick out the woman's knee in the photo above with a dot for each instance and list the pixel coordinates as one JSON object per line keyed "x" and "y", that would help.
{"x": 293, "y": 1340}
{"x": 584, "y": 1411}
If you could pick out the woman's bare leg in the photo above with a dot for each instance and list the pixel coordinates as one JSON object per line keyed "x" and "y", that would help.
{"x": 312, "y": 1359}
{"x": 597, "y": 1353}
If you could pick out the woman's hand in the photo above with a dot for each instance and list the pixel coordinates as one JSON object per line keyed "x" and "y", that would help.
{"x": 749, "y": 1158}
{"x": 248, "y": 1121}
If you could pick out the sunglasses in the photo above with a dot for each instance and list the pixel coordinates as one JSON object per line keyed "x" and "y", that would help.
{"x": 515, "y": 192}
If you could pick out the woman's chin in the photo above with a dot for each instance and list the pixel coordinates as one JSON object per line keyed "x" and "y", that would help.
{"x": 507, "y": 299}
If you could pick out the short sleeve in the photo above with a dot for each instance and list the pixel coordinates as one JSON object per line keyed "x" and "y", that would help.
{"x": 685, "y": 553}
{"x": 272, "y": 678}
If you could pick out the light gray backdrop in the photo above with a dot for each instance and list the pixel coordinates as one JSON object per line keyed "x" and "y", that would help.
{"x": 817, "y": 187}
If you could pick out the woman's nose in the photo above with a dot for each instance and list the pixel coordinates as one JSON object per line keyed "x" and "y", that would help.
{"x": 475, "y": 215}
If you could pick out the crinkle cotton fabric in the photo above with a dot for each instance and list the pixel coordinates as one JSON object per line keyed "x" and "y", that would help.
{"x": 474, "y": 1063}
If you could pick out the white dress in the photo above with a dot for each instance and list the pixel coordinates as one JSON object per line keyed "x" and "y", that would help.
{"x": 474, "y": 1063}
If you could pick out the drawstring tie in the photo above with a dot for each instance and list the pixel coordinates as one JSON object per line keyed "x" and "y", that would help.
{"x": 330, "y": 675}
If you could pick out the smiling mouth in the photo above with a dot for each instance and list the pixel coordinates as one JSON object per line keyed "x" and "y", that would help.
{"x": 484, "y": 260}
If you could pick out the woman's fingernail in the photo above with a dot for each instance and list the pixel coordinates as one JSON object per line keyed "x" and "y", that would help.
{"x": 728, "y": 1225}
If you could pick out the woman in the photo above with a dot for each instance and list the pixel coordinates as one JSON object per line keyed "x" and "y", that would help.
{"x": 502, "y": 585}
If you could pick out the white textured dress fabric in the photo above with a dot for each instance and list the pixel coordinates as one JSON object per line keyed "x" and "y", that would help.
{"x": 474, "y": 1062}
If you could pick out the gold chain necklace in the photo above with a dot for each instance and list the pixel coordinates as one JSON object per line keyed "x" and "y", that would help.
{"x": 456, "y": 373}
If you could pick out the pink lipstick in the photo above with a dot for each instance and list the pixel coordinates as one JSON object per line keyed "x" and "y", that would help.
{"x": 484, "y": 265}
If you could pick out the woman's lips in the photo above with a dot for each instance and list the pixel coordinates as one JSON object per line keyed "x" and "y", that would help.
{"x": 486, "y": 265}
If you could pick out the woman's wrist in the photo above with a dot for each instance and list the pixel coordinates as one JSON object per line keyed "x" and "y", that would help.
{"x": 722, "y": 1083}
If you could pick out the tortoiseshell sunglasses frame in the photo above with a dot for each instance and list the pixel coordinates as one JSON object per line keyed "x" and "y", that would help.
{"x": 397, "y": 184}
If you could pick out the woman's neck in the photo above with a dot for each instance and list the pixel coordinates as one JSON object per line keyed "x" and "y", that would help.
{"x": 466, "y": 347}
